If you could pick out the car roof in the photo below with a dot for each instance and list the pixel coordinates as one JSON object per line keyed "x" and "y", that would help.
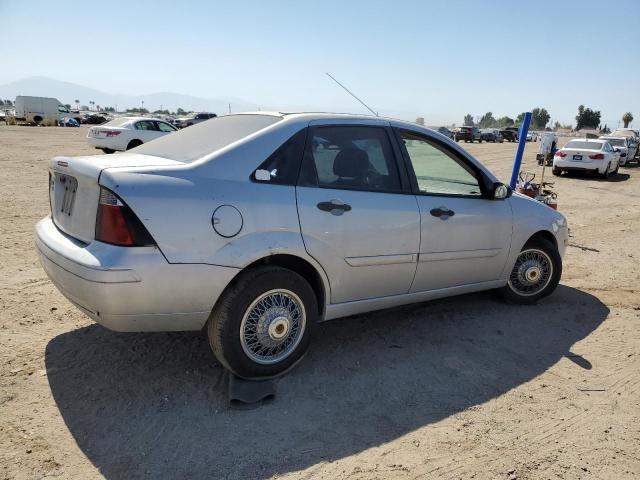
{"x": 589, "y": 140}
{"x": 136, "y": 119}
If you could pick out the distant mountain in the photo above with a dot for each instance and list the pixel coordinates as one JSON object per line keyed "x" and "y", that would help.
{"x": 67, "y": 92}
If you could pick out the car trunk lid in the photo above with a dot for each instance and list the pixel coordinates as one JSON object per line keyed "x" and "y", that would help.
{"x": 74, "y": 188}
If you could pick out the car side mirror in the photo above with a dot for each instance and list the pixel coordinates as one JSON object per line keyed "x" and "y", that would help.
{"x": 501, "y": 191}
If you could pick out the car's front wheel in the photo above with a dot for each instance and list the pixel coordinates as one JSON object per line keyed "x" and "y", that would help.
{"x": 535, "y": 274}
{"x": 262, "y": 324}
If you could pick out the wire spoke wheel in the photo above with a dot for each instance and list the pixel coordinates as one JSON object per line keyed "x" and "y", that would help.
{"x": 532, "y": 272}
{"x": 272, "y": 326}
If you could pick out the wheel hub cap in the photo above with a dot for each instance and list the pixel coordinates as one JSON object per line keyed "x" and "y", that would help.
{"x": 272, "y": 326}
{"x": 531, "y": 273}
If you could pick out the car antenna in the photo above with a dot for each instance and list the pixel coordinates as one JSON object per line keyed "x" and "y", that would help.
{"x": 352, "y": 94}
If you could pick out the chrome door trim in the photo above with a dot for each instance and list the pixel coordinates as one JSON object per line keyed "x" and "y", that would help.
{"x": 382, "y": 260}
{"x": 458, "y": 255}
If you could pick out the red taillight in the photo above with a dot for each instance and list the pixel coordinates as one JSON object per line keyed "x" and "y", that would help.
{"x": 112, "y": 133}
{"x": 597, "y": 156}
{"x": 560, "y": 154}
{"x": 117, "y": 224}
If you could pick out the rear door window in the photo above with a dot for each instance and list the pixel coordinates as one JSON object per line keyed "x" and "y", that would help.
{"x": 146, "y": 125}
{"x": 350, "y": 157}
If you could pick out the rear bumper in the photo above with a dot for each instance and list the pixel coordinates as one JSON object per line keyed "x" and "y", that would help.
{"x": 571, "y": 166}
{"x": 104, "y": 143}
{"x": 131, "y": 289}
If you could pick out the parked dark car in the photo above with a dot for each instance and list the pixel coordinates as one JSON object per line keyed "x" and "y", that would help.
{"x": 468, "y": 134}
{"x": 445, "y": 131}
{"x": 94, "y": 120}
{"x": 491, "y": 135}
{"x": 509, "y": 135}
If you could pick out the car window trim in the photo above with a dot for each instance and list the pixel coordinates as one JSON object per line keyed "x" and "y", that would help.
{"x": 480, "y": 175}
{"x": 397, "y": 160}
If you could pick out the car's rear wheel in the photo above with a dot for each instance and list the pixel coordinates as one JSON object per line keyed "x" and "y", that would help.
{"x": 535, "y": 274}
{"x": 107, "y": 150}
{"x": 606, "y": 173}
{"x": 133, "y": 144}
{"x": 262, "y": 324}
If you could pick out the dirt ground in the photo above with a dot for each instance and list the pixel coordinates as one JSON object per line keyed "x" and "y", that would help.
{"x": 461, "y": 388}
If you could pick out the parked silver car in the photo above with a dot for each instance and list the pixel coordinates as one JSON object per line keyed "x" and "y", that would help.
{"x": 258, "y": 226}
{"x": 193, "y": 119}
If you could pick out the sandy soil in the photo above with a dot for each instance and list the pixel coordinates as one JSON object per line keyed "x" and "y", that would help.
{"x": 461, "y": 388}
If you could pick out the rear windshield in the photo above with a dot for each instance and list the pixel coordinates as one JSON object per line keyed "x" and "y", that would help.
{"x": 581, "y": 144}
{"x": 618, "y": 142}
{"x": 204, "y": 138}
{"x": 116, "y": 122}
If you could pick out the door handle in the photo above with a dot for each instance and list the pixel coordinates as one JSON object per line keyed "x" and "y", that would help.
{"x": 442, "y": 213}
{"x": 335, "y": 207}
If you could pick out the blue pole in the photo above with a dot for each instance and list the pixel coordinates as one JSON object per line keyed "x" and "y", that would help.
{"x": 522, "y": 141}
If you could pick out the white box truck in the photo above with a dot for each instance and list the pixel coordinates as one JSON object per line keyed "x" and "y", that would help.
{"x": 39, "y": 109}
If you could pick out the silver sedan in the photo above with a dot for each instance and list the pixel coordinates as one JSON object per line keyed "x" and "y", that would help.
{"x": 258, "y": 226}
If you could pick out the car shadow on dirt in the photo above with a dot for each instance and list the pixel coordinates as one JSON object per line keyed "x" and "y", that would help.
{"x": 613, "y": 178}
{"x": 154, "y": 405}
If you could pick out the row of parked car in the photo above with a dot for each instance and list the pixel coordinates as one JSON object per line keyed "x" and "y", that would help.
{"x": 602, "y": 156}
{"x": 470, "y": 134}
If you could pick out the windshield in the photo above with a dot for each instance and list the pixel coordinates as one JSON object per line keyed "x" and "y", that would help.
{"x": 581, "y": 144}
{"x": 204, "y": 138}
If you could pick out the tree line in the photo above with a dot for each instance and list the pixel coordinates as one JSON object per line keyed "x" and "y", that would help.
{"x": 540, "y": 117}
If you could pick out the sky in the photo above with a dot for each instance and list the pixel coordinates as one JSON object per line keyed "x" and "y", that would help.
{"x": 434, "y": 59}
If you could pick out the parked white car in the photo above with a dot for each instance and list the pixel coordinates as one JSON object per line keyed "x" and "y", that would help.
{"x": 633, "y": 137}
{"x": 532, "y": 137}
{"x": 258, "y": 226}
{"x": 625, "y": 148}
{"x": 586, "y": 155}
{"x": 125, "y": 133}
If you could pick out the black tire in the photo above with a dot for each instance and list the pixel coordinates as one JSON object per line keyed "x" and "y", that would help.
{"x": 556, "y": 171}
{"x": 615, "y": 172}
{"x": 37, "y": 120}
{"x": 226, "y": 319}
{"x": 107, "y": 150}
{"x": 606, "y": 173}
{"x": 512, "y": 295}
{"x": 134, "y": 144}
{"x": 479, "y": 140}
